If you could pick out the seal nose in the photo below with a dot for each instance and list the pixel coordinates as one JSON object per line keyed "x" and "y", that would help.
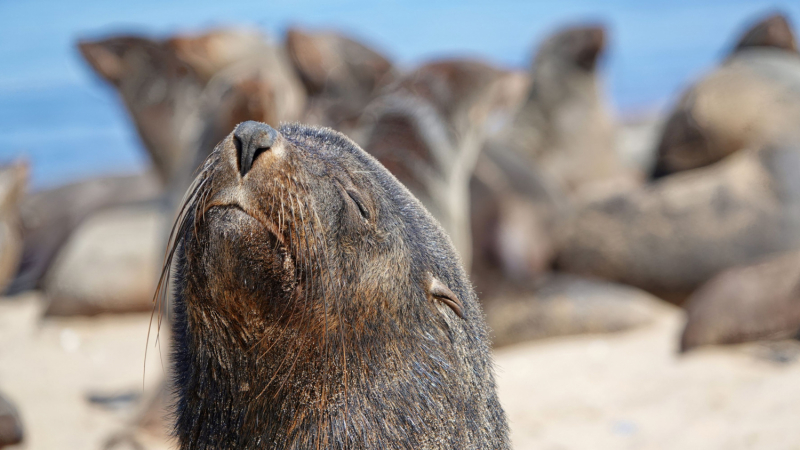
{"x": 251, "y": 140}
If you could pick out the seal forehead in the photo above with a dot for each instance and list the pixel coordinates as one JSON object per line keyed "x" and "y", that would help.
{"x": 334, "y": 147}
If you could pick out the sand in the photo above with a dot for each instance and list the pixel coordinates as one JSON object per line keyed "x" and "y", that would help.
{"x": 633, "y": 391}
{"x": 617, "y": 391}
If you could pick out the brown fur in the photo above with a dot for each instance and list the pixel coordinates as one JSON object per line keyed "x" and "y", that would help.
{"x": 318, "y": 305}
{"x": 772, "y": 31}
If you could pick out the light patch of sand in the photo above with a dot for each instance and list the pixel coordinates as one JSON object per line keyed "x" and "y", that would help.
{"x": 616, "y": 391}
{"x": 47, "y": 367}
{"x": 633, "y": 391}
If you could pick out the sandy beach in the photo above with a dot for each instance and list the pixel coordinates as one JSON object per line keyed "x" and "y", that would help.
{"x": 628, "y": 390}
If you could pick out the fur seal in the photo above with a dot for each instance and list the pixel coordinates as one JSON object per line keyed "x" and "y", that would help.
{"x": 514, "y": 214}
{"x": 11, "y": 432}
{"x": 318, "y": 305}
{"x": 341, "y": 75}
{"x": 679, "y": 232}
{"x": 746, "y": 303}
{"x": 751, "y": 100}
{"x": 565, "y": 129}
{"x": 158, "y": 88}
{"x": 185, "y": 93}
{"x": 772, "y": 31}
{"x": 559, "y": 142}
{"x": 532, "y": 172}
{"x": 13, "y": 183}
{"x": 428, "y": 129}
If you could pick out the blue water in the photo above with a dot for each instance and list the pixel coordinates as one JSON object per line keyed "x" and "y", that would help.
{"x": 69, "y": 125}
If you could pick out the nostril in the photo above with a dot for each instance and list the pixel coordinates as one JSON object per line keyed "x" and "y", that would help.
{"x": 259, "y": 151}
{"x": 251, "y": 140}
{"x": 237, "y": 142}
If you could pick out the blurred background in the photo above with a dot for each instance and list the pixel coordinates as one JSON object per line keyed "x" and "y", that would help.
{"x": 628, "y": 208}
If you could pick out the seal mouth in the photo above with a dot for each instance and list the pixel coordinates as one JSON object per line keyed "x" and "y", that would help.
{"x": 270, "y": 227}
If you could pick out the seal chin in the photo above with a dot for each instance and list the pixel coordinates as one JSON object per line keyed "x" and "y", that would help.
{"x": 239, "y": 215}
{"x": 224, "y": 220}
{"x": 235, "y": 243}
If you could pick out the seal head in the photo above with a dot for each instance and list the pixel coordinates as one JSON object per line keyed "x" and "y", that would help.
{"x": 318, "y": 305}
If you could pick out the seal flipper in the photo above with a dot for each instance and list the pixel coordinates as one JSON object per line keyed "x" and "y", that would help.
{"x": 440, "y": 291}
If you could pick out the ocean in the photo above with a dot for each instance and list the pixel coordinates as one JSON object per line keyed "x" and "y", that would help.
{"x": 69, "y": 125}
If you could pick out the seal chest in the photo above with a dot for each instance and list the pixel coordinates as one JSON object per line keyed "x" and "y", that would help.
{"x": 318, "y": 305}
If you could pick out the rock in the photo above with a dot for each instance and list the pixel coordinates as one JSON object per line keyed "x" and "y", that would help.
{"x": 749, "y": 303}
{"x": 566, "y": 305}
{"x": 49, "y": 218}
{"x": 751, "y": 100}
{"x": 111, "y": 264}
{"x": 671, "y": 237}
{"x": 11, "y": 432}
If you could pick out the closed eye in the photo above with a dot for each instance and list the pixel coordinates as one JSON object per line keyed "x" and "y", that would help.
{"x": 359, "y": 204}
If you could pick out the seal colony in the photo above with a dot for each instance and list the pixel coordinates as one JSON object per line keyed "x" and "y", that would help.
{"x": 319, "y": 305}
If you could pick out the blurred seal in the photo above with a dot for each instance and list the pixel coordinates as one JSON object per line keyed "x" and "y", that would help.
{"x": 751, "y": 100}
{"x": 340, "y": 74}
{"x": 565, "y": 129}
{"x": 13, "y": 183}
{"x": 428, "y": 129}
{"x": 678, "y": 233}
{"x": 11, "y": 432}
{"x": 746, "y": 303}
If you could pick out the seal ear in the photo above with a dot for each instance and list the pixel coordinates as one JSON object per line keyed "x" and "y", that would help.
{"x": 439, "y": 291}
{"x": 102, "y": 59}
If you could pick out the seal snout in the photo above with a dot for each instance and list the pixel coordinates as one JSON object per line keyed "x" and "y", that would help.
{"x": 252, "y": 139}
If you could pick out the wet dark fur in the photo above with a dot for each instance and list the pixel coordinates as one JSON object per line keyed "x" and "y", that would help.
{"x": 307, "y": 322}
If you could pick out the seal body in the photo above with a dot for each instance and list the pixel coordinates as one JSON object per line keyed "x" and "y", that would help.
{"x": 698, "y": 223}
{"x": 746, "y": 303}
{"x": 185, "y": 93}
{"x": 13, "y": 183}
{"x": 318, "y": 305}
{"x": 565, "y": 128}
{"x": 340, "y": 74}
{"x": 751, "y": 100}
{"x": 428, "y": 129}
